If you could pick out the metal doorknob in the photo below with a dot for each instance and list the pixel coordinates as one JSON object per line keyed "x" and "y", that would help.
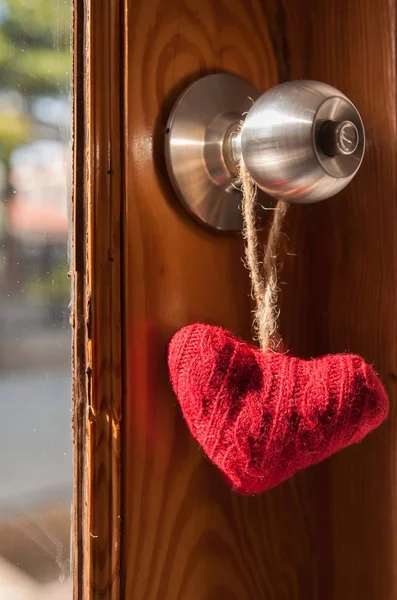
{"x": 302, "y": 141}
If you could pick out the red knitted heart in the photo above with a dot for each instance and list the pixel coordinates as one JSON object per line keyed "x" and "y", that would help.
{"x": 262, "y": 416}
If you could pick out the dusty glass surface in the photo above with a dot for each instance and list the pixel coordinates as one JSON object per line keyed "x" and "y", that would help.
{"x": 35, "y": 375}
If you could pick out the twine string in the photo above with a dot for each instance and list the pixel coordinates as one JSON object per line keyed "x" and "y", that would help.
{"x": 263, "y": 266}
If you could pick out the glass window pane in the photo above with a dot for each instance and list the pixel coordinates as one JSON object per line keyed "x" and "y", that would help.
{"x": 35, "y": 374}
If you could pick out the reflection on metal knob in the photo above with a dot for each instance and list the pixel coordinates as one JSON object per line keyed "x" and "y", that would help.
{"x": 302, "y": 141}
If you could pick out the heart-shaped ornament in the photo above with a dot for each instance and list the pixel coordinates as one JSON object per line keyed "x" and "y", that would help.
{"x": 262, "y": 416}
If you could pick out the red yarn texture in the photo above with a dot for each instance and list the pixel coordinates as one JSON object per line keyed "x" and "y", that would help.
{"x": 262, "y": 416}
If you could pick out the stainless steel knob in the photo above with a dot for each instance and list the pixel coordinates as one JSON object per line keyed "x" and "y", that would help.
{"x": 302, "y": 141}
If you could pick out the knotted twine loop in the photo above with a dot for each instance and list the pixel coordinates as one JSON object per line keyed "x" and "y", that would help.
{"x": 263, "y": 271}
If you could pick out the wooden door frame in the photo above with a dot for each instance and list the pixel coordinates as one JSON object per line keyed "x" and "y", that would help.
{"x": 97, "y": 307}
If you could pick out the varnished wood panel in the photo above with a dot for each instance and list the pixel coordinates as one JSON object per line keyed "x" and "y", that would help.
{"x": 185, "y": 536}
{"x": 329, "y": 533}
{"x": 343, "y": 280}
{"x": 78, "y": 313}
{"x": 104, "y": 298}
{"x": 97, "y": 298}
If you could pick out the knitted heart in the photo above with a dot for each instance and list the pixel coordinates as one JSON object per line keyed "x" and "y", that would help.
{"x": 262, "y": 416}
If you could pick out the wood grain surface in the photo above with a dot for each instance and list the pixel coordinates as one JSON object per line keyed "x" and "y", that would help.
{"x": 329, "y": 533}
{"x": 185, "y": 536}
{"x": 78, "y": 312}
{"x": 97, "y": 298}
{"x": 343, "y": 282}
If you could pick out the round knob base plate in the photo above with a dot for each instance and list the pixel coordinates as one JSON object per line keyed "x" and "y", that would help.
{"x": 206, "y": 112}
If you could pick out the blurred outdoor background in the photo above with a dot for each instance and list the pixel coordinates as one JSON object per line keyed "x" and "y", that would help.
{"x": 35, "y": 378}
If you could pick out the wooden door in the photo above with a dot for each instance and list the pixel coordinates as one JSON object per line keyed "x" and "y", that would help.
{"x": 186, "y": 535}
{"x": 343, "y": 281}
{"x": 154, "y": 519}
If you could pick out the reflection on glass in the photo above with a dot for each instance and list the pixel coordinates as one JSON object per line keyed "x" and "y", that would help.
{"x": 35, "y": 380}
